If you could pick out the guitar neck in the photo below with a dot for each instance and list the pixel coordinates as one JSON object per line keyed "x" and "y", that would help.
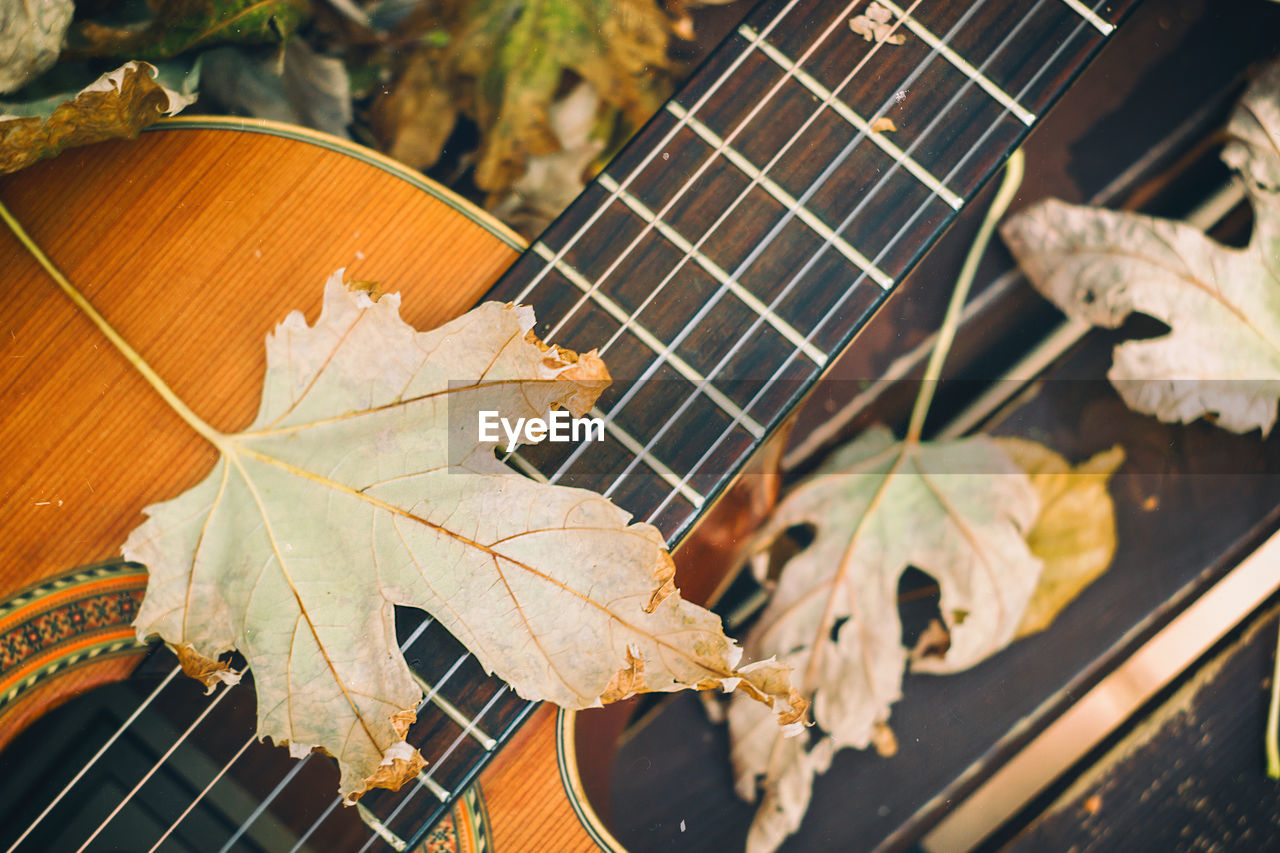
{"x": 741, "y": 240}
{"x": 738, "y": 244}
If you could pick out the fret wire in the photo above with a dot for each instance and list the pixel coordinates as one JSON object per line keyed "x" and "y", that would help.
{"x": 628, "y": 441}
{"x": 940, "y": 45}
{"x": 847, "y": 113}
{"x": 937, "y": 118}
{"x": 585, "y": 227}
{"x": 752, "y": 43}
{"x": 526, "y": 467}
{"x": 379, "y": 829}
{"x": 691, "y": 252}
{"x": 97, "y": 755}
{"x": 1091, "y": 16}
{"x": 459, "y": 739}
{"x": 759, "y": 249}
{"x": 644, "y": 335}
{"x": 450, "y": 711}
{"x": 706, "y": 308}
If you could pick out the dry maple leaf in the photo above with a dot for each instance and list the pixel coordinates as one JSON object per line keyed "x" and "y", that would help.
{"x": 959, "y": 510}
{"x": 363, "y": 484}
{"x": 118, "y": 104}
{"x": 1222, "y": 355}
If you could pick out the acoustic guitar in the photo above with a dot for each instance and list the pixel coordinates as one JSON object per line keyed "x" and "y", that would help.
{"x": 733, "y": 249}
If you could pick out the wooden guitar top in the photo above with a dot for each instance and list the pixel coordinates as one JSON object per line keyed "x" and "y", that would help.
{"x": 193, "y": 241}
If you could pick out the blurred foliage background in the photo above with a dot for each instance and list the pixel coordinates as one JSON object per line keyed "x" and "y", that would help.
{"x": 512, "y": 103}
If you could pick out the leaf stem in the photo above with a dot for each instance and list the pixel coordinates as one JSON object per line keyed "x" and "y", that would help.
{"x": 1013, "y": 171}
{"x": 1273, "y": 719}
{"x": 131, "y": 355}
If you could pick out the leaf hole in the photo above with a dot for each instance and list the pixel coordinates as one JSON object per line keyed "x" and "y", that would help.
{"x": 918, "y": 600}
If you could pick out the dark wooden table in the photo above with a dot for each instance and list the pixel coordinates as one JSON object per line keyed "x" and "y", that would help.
{"x": 1192, "y": 501}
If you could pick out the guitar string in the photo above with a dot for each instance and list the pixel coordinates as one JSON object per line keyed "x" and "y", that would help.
{"x": 283, "y": 783}
{"x": 182, "y": 738}
{"x": 692, "y": 179}
{"x": 800, "y": 273}
{"x": 837, "y": 20}
{"x": 908, "y": 82}
{"x": 695, "y": 321}
{"x": 724, "y": 77}
{"x": 94, "y": 760}
{"x": 968, "y": 84}
{"x": 215, "y": 702}
{"x": 557, "y": 257}
{"x": 1080, "y": 26}
{"x": 742, "y": 123}
{"x": 999, "y": 48}
{"x": 457, "y": 740}
{"x": 302, "y": 839}
{"x": 132, "y": 718}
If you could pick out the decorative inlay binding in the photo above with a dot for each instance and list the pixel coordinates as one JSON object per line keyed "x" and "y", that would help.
{"x": 82, "y": 615}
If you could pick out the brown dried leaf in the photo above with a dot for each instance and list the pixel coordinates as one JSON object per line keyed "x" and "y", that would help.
{"x": 116, "y": 105}
{"x": 503, "y": 62}
{"x": 875, "y": 24}
{"x": 30, "y": 38}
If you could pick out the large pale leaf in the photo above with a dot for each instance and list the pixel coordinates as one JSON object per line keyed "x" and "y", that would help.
{"x": 959, "y": 510}
{"x": 116, "y": 105}
{"x": 363, "y": 484}
{"x": 1222, "y": 355}
{"x": 31, "y": 34}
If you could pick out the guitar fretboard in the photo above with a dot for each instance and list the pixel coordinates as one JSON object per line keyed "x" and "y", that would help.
{"x": 735, "y": 247}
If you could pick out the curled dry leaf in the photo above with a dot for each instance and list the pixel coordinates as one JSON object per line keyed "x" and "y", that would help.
{"x": 1075, "y": 533}
{"x": 959, "y": 510}
{"x": 501, "y": 63}
{"x": 363, "y": 484}
{"x": 30, "y": 38}
{"x": 1221, "y": 357}
{"x": 116, "y": 105}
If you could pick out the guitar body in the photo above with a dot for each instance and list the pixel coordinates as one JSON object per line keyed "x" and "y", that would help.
{"x": 194, "y": 241}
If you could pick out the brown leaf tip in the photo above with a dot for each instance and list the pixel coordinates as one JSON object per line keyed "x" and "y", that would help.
{"x": 627, "y": 681}
{"x": 208, "y": 671}
{"x": 401, "y": 763}
{"x": 372, "y": 288}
